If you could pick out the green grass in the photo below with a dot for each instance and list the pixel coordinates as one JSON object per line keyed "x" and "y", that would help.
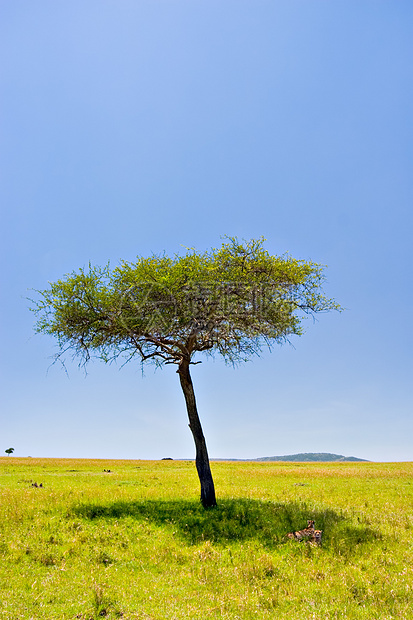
{"x": 135, "y": 543}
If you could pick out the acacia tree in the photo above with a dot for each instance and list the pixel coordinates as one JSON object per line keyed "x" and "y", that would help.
{"x": 230, "y": 301}
{"x": 9, "y": 451}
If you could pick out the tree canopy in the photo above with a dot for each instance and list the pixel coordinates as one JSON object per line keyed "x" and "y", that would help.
{"x": 229, "y": 301}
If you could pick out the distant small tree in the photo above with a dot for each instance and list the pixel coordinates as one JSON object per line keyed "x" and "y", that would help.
{"x": 9, "y": 451}
{"x": 230, "y": 301}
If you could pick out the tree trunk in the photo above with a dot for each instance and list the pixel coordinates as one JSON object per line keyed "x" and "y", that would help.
{"x": 202, "y": 460}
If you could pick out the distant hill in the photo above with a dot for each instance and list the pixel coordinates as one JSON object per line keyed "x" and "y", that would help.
{"x": 311, "y": 456}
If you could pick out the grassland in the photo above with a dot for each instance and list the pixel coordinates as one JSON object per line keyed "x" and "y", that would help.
{"x": 135, "y": 543}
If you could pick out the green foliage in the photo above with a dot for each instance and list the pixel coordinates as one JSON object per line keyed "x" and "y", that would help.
{"x": 230, "y": 301}
{"x": 9, "y": 451}
{"x": 132, "y": 545}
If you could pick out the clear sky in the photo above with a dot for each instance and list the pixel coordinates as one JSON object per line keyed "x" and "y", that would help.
{"x": 132, "y": 127}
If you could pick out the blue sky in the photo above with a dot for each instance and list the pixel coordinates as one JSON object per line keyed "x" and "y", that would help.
{"x": 138, "y": 126}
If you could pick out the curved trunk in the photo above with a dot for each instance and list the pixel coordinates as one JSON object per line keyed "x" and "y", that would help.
{"x": 202, "y": 460}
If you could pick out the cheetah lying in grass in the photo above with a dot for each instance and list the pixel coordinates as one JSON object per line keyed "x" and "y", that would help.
{"x": 309, "y": 534}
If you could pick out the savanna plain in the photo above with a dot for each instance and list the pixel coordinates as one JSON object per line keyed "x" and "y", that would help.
{"x": 130, "y": 539}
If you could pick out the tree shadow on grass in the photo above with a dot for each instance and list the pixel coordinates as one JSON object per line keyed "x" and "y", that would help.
{"x": 234, "y": 520}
